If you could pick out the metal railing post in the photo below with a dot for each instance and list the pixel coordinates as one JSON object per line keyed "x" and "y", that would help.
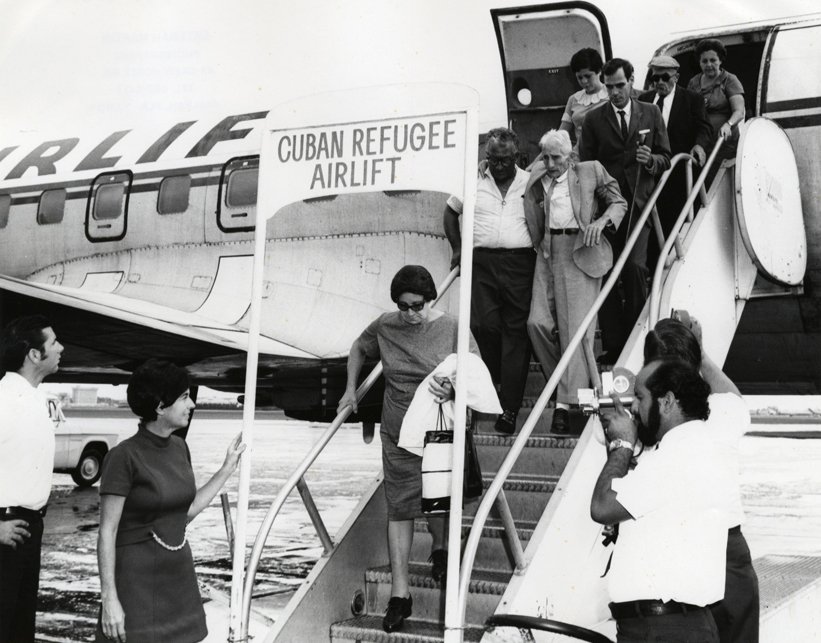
{"x": 313, "y": 513}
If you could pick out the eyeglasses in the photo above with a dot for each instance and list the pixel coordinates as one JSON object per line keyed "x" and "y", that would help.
{"x": 665, "y": 77}
{"x": 417, "y": 307}
{"x": 504, "y": 161}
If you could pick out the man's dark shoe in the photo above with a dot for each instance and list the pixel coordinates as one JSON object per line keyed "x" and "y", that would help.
{"x": 561, "y": 422}
{"x": 398, "y": 610}
{"x": 506, "y": 423}
{"x": 439, "y": 565}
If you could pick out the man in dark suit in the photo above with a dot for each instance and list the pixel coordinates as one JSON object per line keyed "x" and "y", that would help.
{"x": 629, "y": 138}
{"x": 689, "y": 131}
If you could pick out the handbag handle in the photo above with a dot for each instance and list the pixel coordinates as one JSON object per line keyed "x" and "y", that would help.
{"x": 440, "y": 420}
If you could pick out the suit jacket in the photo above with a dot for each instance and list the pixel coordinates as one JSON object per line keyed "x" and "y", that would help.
{"x": 688, "y": 124}
{"x": 601, "y": 141}
{"x": 589, "y": 185}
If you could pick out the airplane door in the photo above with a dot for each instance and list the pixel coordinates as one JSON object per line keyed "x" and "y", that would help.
{"x": 536, "y": 44}
{"x": 107, "y": 209}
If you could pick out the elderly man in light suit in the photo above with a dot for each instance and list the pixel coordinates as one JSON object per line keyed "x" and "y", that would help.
{"x": 567, "y": 208}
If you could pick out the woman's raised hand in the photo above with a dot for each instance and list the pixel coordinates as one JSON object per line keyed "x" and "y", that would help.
{"x": 232, "y": 455}
{"x": 348, "y": 399}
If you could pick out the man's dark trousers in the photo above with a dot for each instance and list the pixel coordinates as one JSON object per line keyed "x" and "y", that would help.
{"x": 500, "y": 305}
{"x": 19, "y": 582}
{"x": 697, "y": 626}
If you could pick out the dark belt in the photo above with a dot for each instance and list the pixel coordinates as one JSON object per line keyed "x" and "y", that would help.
{"x": 564, "y": 230}
{"x": 633, "y": 609}
{"x": 8, "y": 513}
{"x": 505, "y": 251}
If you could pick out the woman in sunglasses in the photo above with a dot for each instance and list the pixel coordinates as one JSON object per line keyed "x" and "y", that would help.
{"x": 411, "y": 342}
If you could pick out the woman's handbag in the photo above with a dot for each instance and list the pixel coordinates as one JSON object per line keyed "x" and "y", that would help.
{"x": 437, "y": 464}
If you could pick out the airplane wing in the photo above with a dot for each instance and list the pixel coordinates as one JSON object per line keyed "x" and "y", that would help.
{"x": 107, "y": 335}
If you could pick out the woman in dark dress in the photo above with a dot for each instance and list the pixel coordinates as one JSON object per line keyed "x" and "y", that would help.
{"x": 411, "y": 343}
{"x": 148, "y": 586}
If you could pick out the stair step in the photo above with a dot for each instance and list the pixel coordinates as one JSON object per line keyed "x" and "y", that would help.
{"x": 486, "y": 588}
{"x": 369, "y": 628}
{"x": 492, "y": 553}
{"x": 527, "y": 495}
{"x": 543, "y": 454}
{"x": 485, "y": 422}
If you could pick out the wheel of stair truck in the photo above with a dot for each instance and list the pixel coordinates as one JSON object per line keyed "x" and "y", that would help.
{"x": 529, "y": 623}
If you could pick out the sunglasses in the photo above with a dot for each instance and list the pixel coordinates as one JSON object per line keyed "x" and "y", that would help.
{"x": 504, "y": 161}
{"x": 665, "y": 77}
{"x": 417, "y": 307}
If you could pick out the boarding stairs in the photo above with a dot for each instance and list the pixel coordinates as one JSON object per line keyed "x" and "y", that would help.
{"x": 529, "y": 544}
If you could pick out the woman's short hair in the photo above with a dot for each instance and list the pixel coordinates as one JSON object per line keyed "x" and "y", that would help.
{"x": 415, "y": 279}
{"x": 586, "y": 58}
{"x": 711, "y": 44}
{"x": 670, "y": 339}
{"x": 155, "y": 383}
{"x": 559, "y": 138}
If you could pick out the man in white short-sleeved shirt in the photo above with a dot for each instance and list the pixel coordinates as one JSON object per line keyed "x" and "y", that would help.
{"x": 503, "y": 265}
{"x": 30, "y": 352}
{"x": 737, "y": 614}
{"x": 669, "y": 561}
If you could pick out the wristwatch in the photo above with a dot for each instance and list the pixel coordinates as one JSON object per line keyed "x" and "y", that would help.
{"x": 619, "y": 444}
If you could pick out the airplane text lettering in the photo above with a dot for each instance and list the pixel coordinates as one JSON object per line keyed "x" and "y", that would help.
{"x": 43, "y": 157}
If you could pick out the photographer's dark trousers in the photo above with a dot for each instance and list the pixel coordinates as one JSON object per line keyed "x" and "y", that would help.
{"x": 696, "y": 626}
{"x": 500, "y": 304}
{"x": 19, "y": 582}
{"x": 737, "y": 615}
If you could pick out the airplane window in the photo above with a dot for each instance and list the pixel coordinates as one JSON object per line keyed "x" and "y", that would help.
{"x": 174, "y": 194}
{"x": 242, "y": 188}
{"x": 108, "y": 202}
{"x": 51, "y": 208}
{"x": 5, "y": 206}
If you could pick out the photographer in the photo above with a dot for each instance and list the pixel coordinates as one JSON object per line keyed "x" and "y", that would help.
{"x": 668, "y": 564}
{"x": 737, "y": 614}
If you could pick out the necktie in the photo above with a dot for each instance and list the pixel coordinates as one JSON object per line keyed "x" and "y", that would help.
{"x": 660, "y": 103}
{"x": 623, "y": 124}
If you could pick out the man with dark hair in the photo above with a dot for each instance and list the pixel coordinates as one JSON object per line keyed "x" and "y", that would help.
{"x": 30, "y": 352}
{"x": 629, "y": 138}
{"x": 737, "y": 614}
{"x": 668, "y": 564}
{"x": 503, "y": 264}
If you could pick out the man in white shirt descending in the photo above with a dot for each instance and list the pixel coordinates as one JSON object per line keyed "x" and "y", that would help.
{"x": 669, "y": 560}
{"x": 30, "y": 352}
{"x": 737, "y": 614}
{"x": 503, "y": 263}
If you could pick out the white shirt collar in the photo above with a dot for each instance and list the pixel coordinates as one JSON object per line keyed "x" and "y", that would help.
{"x": 627, "y": 109}
{"x": 17, "y": 382}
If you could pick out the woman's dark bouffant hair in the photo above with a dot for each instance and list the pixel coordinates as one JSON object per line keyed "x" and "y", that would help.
{"x": 709, "y": 44}
{"x": 155, "y": 383}
{"x": 586, "y": 58}
{"x": 671, "y": 339}
{"x": 415, "y": 279}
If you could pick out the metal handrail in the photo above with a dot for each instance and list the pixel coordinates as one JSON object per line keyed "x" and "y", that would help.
{"x": 296, "y": 481}
{"x": 686, "y": 213}
{"x": 481, "y": 515}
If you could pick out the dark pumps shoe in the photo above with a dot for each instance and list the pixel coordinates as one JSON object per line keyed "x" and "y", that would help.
{"x": 398, "y": 610}
{"x": 506, "y": 423}
{"x": 561, "y": 422}
{"x": 439, "y": 565}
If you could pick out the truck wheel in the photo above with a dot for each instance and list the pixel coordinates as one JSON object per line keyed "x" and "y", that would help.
{"x": 89, "y": 468}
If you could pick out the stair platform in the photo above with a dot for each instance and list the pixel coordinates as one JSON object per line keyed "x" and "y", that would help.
{"x": 369, "y": 628}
